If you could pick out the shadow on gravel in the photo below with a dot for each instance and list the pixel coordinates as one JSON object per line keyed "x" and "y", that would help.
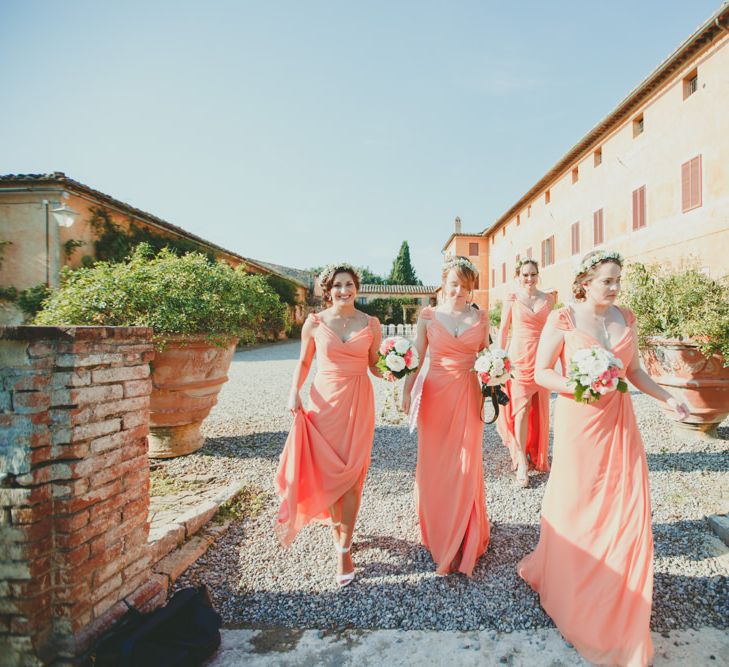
{"x": 685, "y": 538}
{"x": 264, "y": 444}
{"x": 688, "y": 461}
{"x": 676, "y": 598}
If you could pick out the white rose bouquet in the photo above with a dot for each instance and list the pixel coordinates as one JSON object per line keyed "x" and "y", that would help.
{"x": 593, "y": 372}
{"x": 397, "y": 357}
{"x": 493, "y": 368}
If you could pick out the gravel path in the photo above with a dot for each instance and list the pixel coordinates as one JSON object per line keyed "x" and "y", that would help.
{"x": 255, "y": 583}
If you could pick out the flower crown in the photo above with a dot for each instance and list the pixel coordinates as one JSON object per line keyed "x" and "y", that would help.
{"x": 599, "y": 256}
{"x": 328, "y": 272}
{"x": 453, "y": 262}
{"x": 526, "y": 260}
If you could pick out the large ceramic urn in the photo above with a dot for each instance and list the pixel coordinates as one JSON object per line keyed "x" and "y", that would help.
{"x": 702, "y": 382}
{"x": 186, "y": 379}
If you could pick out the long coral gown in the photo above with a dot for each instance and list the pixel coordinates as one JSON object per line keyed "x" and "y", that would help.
{"x": 593, "y": 565}
{"x": 449, "y": 474}
{"x": 526, "y": 327}
{"x": 328, "y": 448}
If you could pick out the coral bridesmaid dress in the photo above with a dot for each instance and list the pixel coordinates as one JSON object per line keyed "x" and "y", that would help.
{"x": 593, "y": 566}
{"x": 328, "y": 448}
{"x": 449, "y": 475}
{"x": 526, "y": 327}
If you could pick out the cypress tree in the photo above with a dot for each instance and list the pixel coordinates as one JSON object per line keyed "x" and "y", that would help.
{"x": 402, "y": 272}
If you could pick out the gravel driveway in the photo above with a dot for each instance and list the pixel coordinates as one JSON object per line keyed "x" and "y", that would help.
{"x": 255, "y": 583}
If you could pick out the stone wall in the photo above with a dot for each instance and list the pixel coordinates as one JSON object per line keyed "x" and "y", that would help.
{"x": 74, "y": 481}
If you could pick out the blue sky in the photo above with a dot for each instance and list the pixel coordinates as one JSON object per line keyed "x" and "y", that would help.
{"x": 303, "y": 132}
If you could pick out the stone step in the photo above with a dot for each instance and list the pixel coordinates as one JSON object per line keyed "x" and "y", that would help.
{"x": 175, "y": 544}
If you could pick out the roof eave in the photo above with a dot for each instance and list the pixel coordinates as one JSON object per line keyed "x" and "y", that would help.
{"x": 634, "y": 98}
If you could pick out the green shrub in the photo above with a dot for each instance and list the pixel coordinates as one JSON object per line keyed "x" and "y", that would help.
{"x": 495, "y": 314}
{"x": 389, "y": 310}
{"x": 285, "y": 289}
{"x": 173, "y": 295}
{"x": 683, "y": 304}
{"x": 31, "y": 300}
{"x": 8, "y": 293}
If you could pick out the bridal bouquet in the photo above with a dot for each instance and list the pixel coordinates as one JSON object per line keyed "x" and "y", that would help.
{"x": 493, "y": 368}
{"x": 593, "y": 372}
{"x": 397, "y": 357}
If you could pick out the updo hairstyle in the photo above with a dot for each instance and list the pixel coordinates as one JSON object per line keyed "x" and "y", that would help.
{"x": 464, "y": 268}
{"x": 588, "y": 268}
{"x": 326, "y": 278}
{"x": 523, "y": 262}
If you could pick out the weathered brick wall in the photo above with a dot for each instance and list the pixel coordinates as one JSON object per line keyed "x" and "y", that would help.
{"x": 74, "y": 486}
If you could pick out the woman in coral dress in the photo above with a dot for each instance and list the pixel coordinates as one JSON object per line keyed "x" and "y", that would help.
{"x": 523, "y": 423}
{"x": 325, "y": 460}
{"x": 451, "y": 500}
{"x": 593, "y": 565}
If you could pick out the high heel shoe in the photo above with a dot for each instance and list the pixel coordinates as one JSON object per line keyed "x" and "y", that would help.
{"x": 522, "y": 476}
{"x": 347, "y": 578}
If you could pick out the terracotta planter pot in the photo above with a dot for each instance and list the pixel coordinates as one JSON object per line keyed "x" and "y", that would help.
{"x": 702, "y": 383}
{"x": 186, "y": 378}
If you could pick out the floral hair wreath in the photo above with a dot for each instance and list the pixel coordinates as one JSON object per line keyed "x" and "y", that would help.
{"x": 453, "y": 262}
{"x": 600, "y": 256}
{"x": 330, "y": 270}
{"x": 526, "y": 260}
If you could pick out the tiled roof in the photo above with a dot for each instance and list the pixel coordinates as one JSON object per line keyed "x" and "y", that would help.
{"x": 455, "y": 234}
{"x": 305, "y": 278}
{"x": 397, "y": 289}
{"x": 58, "y": 178}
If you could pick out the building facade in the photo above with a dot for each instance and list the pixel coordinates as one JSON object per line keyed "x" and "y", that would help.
{"x": 45, "y": 225}
{"x": 474, "y": 246}
{"x": 651, "y": 180}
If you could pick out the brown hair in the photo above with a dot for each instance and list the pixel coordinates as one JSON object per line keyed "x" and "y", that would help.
{"x": 578, "y": 287}
{"x": 464, "y": 273}
{"x": 327, "y": 282}
{"x": 524, "y": 262}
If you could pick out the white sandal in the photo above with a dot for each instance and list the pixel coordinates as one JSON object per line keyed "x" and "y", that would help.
{"x": 522, "y": 476}
{"x": 344, "y": 579}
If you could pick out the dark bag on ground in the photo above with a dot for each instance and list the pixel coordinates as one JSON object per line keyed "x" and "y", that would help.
{"x": 183, "y": 633}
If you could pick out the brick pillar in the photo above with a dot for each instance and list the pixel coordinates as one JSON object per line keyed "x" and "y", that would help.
{"x": 74, "y": 486}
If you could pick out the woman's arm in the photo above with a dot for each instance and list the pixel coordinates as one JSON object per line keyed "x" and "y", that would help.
{"x": 303, "y": 366}
{"x": 505, "y": 323}
{"x": 643, "y": 383}
{"x": 485, "y": 319}
{"x": 421, "y": 345}
{"x": 550, "y": 345}
{"x": 375, "y": 347}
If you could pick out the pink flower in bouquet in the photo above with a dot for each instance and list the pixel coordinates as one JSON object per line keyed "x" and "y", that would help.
{"x": 507, "y": 365}
{"x": 387, "y": 346}
{"x": 484, "y": 377}
{"x": 408, "y": 357}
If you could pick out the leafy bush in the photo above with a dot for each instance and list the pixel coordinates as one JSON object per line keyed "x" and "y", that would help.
{"x": 173, "y": 295}
{"x": 115, "y": 244}
{"x": 31, "y": 300}
{"x": 285, "y": 289}
{"x": 389, "y": 310}
{"x": 683, "y": 304}
{"x": 495, "y": 314}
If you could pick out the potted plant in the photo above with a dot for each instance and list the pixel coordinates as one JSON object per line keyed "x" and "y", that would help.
{"x": 197, "y": 309}
{"x": 683, "y": 332}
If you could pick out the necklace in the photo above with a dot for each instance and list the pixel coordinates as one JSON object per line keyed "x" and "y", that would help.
{"x": 346, "y": 319}
{"x": 605, "y": 334}
{"x": 459, "y": 317}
